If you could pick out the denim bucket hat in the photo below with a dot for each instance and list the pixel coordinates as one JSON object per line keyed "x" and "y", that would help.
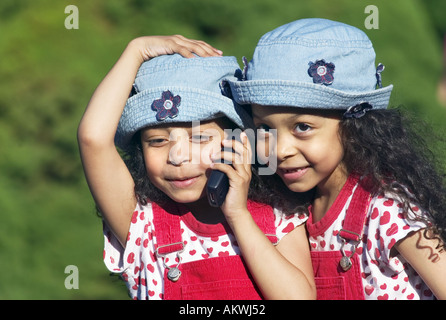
{"x": 172, "y": 89}
{"x": 313, "y": 63}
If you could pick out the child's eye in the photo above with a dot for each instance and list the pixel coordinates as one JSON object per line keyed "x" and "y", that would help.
{"x": 201, "y": 138}
{"x": 157, "y": 142}
{"x": 302, "y": 127}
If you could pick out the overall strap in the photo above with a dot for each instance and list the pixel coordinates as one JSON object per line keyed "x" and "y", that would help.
{"x": 356, "y": 212}
{"x": 166, "y": 222}
{"x": 353, "y": 225}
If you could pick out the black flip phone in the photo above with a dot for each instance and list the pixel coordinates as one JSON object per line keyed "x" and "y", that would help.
{"x": 218, "y": 183}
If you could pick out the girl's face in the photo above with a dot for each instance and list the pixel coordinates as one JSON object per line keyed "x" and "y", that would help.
{"x": 177, "y": 157}
{"x": 307, "y": 146}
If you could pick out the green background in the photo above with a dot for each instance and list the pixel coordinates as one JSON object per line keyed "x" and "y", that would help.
{"x": 48, "y": 73}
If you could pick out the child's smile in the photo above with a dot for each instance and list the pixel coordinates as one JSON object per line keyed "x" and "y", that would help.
{"x": 292, "y": 173}
{"x": 183, "y": 182}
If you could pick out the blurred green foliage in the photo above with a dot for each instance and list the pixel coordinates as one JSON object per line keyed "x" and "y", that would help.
{"x": 48, "y": 73}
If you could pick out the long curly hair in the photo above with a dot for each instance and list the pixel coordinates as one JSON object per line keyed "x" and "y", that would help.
{"x": 392, "y": 149}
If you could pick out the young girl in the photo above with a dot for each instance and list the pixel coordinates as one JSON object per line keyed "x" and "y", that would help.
{"x": 376, "y": 203}
{"x": 160, "y": 231}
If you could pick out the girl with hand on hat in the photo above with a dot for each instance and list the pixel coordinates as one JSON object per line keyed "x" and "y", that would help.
{"x": 375, "y": 200}
{"x": 160, "y": 231}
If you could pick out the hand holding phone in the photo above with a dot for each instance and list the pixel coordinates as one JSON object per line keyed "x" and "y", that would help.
{"x": 218, "y": 183}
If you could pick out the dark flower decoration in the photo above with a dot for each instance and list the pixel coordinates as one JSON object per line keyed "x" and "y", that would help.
{"x": 321, "y": 72}
{"x": 167, "y": 106}
{"x": 357, "y": 111}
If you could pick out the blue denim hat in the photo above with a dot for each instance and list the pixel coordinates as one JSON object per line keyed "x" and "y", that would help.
{"x": 172, "y": 89}
{"x": 313, "y": 63}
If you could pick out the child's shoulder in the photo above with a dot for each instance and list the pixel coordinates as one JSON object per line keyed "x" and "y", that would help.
{"x": 389, "y": 215}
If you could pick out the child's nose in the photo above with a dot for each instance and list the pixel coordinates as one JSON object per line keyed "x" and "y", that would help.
{"x": 285, "y": 147}
{"x": 179, "y": 153}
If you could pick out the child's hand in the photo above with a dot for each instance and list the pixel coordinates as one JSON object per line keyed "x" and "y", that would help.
{"x": 239, "y": 174}
{"x": 153, "y": 46}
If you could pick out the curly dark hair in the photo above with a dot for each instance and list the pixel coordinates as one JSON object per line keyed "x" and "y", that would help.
{"x": 390, "y": 147}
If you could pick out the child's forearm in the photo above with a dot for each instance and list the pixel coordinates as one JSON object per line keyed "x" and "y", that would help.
{"x": 276, "y": 277}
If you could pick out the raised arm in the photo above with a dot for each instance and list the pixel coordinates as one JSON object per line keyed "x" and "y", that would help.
{"x": 283, "y": 271}
{"x": 107, "y": 176}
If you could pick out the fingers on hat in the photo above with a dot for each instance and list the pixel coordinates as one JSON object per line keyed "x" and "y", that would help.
{"x": 187, "y": 48}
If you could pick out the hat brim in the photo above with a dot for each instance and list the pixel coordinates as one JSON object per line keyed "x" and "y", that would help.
{"x": 304, "y": 95}
{"x": 195, "y": 105}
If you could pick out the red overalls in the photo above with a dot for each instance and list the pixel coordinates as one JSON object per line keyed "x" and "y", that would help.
{"x": 218, "y": 278}
{"x": 338, "y": 273}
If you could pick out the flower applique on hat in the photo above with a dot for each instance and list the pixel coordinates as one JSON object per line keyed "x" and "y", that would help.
{"x": 167, "y": 106}
{"x": 321, "y": 72}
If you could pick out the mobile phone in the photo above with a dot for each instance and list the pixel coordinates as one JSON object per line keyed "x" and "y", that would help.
{"x": 217, "y": 187}
{"x": 218, "y": 183}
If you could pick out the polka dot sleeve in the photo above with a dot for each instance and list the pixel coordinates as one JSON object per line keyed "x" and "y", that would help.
{"x": 287, "y": 223}
{"x": 117, "y": 258}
